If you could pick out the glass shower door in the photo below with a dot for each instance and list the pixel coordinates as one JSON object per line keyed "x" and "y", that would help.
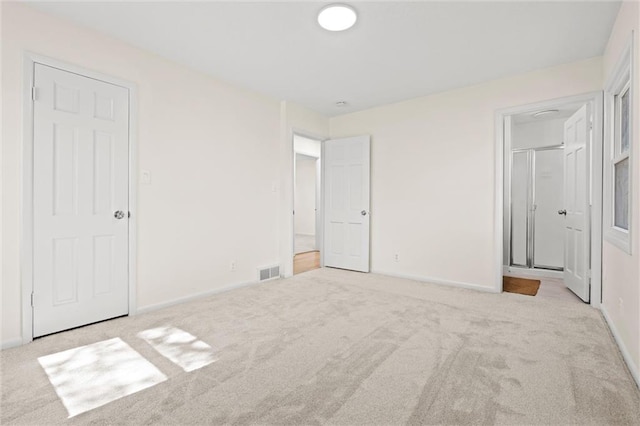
{"x": 537, "y": 181}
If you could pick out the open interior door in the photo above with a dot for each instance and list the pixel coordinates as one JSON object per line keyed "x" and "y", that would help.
{"x": 576, "y": 196}
{"x": 346, "y": 203}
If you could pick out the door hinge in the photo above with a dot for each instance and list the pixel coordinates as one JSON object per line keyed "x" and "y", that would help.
{"x": 34, "y": 93}
{"x": 32, "y": 299}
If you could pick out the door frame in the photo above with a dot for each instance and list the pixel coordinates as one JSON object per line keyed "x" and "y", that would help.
{"x": 531, "y": 199}
{"x": 320, "y": 216}
{"x": 503, "y": 148}
{"x": 26, "y": 239}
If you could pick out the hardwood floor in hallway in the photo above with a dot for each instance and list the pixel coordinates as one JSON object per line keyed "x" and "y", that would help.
{"x": 304, "y": 262}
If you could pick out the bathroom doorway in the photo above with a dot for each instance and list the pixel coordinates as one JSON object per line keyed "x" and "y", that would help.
{"x": 548, "y": 193}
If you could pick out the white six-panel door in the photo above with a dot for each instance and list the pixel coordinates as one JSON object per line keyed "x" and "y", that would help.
{"x": 576, "y": 196}
{"x": 346, "y": 203}
{"x": 81, "y": 179}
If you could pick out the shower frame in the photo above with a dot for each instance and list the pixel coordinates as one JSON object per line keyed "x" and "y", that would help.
{"x": 531, "y": 207}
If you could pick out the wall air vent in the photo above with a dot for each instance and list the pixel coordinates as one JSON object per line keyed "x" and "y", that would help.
{"x": 269, "y": 273}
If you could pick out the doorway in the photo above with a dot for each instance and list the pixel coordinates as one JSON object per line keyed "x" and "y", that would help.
{"x": 307, "y": 191}
{"x": 551, "y": 190}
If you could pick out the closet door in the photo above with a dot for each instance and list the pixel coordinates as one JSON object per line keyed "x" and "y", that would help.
{"x": 80, "y": 200}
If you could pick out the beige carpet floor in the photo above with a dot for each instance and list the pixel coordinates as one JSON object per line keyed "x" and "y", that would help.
{"x": 337, "y": 347}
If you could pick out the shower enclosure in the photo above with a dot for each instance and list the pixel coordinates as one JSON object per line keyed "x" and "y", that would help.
{"x": 536, "y": 215}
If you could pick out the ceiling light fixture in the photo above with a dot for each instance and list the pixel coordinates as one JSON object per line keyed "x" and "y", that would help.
{"x": 337, "y": 17}
{"x": 341, "y": 103}
{"x": 544, "y": 112}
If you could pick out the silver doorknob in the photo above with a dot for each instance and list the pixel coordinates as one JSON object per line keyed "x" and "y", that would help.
{"x": 118, "y": 214}
{"x": 564, "y": 212}
{"x": 363, "y": 212}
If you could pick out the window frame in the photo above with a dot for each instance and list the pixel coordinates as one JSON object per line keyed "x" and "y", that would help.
{"x": 621, "y": 82}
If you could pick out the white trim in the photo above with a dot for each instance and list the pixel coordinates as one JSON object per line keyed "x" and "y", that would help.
{"x": 633, "y": 369}
{"x": 623, "y": 74}
{"x": 498, "y": 224}
{"x": 133, "y": 198}
{"x": 506, "y": 204}
{"x": 323, "y": 175}
{"x": 26, "y": 252}
{"x": 157, "y": 306}
{"x": 8, "y": 344}
{"x": 597, "y": 146}
{"x": 26, "y": 192}
{"x": 519, "y": 272}
{"x": 596, "y": 165}
{"x": 438, "y": 281}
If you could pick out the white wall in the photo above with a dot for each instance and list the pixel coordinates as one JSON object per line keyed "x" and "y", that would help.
{"x": 620, "y": 271}
{"x": 305, "y": 197}
{"x": 201, "y": 210}
{"x": 537, "y": 134}
{"x": 433, "y": 173}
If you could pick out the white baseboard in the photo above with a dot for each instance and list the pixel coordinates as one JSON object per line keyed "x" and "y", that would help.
{"x": 150, "y": 308}
{"x": 633, "y": 368}
{"x": 18, "y": 342}
{"x": 7, "y": 344}
{"x": 439, "y": 281}
{"x": 514, "y": 270}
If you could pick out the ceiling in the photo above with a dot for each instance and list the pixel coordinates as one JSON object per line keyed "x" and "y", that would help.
{"x": 396, "y": 51}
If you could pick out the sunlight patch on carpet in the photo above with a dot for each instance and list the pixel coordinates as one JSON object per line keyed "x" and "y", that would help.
{"x": 180, "y": 347}
{"x": 91, "y": 376}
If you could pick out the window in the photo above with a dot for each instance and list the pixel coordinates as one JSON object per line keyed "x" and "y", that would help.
{"x": 618, "y": 146}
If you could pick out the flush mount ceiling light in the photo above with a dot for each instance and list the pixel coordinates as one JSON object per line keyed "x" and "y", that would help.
{"x": 545, "y": 112}
{"x": 337, "y": 17}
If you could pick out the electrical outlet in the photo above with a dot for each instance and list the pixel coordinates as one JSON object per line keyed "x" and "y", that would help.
{"x": 232, "y": 266}
{"x": 396, "y": 257}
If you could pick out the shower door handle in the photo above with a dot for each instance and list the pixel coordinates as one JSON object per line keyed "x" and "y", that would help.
{"x": 564, "y": 212}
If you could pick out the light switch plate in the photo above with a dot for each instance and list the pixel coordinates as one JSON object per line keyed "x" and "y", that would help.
{"x": 145, "y": 177}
